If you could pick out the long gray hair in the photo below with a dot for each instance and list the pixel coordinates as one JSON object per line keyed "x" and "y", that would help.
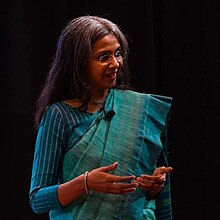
{"x": 67, "y": 78}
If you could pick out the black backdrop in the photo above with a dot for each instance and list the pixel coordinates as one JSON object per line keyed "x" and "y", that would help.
{"x": 174, "y": 52}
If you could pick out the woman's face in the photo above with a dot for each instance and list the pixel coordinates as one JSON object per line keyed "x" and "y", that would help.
{"x": 104, "y": 63}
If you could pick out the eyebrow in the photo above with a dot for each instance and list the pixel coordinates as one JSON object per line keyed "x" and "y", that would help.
{"x": 107, "y": 51}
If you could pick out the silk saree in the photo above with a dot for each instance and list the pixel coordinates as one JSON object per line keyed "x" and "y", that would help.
{"x": 136, "y": 138}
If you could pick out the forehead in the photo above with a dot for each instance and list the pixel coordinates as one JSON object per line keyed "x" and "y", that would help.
{"x": 106, "y": 43}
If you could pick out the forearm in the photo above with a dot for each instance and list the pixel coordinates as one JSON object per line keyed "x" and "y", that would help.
{"x": 44, "y": 199}
{"x": 71, "y": 190}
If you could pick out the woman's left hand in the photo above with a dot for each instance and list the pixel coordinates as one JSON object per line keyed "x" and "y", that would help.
{"x": 153, "y": 184}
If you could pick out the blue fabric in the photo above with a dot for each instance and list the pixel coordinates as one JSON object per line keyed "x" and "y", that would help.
{"x": 142, "y": 119}
{"x": 53, "y": 140}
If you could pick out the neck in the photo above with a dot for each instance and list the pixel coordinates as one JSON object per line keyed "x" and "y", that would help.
{"x": 99, "y": 99}
{"x": 97, "y": 102}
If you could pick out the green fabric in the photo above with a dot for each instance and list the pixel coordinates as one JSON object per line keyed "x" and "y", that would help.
{"x": 133, "y": 139}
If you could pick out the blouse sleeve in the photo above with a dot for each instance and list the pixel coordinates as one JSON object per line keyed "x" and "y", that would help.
{"x": 48, "y": 152}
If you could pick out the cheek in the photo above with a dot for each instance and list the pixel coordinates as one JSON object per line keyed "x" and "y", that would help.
{"x": 95, "y": 72}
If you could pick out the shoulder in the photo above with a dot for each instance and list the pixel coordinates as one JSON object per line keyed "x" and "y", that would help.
{"x": 57, "y": 111}
{"x": 66, "y": 113}
{"x": 58, "y": 106}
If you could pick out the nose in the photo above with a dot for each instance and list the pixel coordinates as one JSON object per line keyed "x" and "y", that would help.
{"x": 114, "y": 63}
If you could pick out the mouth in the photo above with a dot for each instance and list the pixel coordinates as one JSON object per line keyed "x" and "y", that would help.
{"x": 111, "y": 76}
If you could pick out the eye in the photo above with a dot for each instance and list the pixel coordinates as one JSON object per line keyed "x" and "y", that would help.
{"x": 104, "y": 58}
{"x": 118, "y": 53}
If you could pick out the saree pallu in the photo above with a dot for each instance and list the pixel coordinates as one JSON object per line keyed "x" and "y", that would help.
{"x": 133, "y": 138}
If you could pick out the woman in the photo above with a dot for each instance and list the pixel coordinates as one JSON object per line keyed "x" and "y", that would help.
{"x": 101, "y": 148}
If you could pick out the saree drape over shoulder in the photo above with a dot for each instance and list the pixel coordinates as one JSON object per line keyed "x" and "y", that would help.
{"x": 136, "y": 138}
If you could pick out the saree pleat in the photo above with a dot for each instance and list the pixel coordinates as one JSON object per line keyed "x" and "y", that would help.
{"x": 133, "y": 139}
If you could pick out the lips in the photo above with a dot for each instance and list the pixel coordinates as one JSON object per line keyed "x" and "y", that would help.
{"x": 111, "y": 75}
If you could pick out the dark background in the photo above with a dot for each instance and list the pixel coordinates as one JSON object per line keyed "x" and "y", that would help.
{"x": 174, "y": 52}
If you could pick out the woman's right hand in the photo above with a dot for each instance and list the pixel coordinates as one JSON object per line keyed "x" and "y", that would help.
{"x": 99, "y": 180}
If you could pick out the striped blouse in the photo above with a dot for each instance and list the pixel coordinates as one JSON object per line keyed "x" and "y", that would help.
{"x": 51, "y": 144}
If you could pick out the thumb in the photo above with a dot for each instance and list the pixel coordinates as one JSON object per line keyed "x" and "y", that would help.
{"x": 161, "y": 170}
{"x": 109, "y": 167}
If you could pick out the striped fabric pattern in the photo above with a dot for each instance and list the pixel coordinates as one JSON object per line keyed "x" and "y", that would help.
{"x": 78, "y": 141}
{"x": 52, "y": 142}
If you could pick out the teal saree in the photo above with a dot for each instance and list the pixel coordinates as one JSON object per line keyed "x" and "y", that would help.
{"x": 133, "y": 138}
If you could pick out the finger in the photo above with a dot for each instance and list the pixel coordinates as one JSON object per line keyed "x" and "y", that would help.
{"x": 121, "y": 188}
{"x": 163, "y": 170}
{"x": 117, "y": 188}
{"x": 124, "y": 185}
{"x": 168, "y": 169}
{"x": 162, "y": 178}
{"x": 122, "y": 178}
{"x": 151, "y": 186}
{"x": 152, "y": 179}
{"x": 109, "y": 167}
{"x": 146, "y": 184}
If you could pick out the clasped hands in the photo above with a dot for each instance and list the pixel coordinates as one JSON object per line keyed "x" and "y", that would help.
{"x": 101, "y": 181}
